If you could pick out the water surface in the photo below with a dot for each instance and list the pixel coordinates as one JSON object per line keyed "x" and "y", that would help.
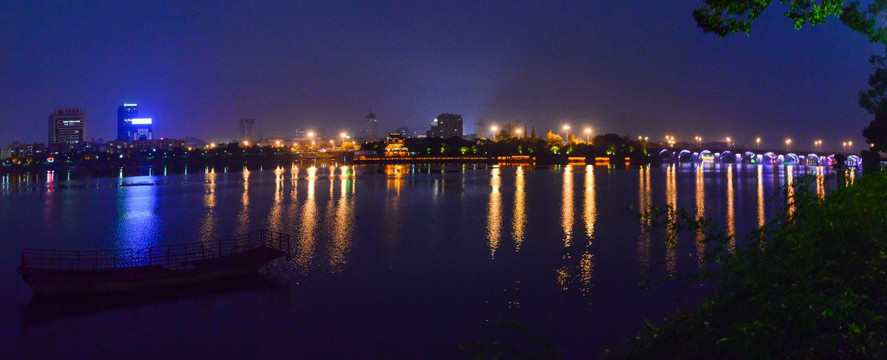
{"x": 389, "y": 262}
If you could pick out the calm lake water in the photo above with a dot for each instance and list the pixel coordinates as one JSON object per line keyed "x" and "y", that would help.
{"x": 389, "y": 262}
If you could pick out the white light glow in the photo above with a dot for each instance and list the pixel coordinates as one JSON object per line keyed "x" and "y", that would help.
{"x": 130, "y": 105}
{"x": 141, "y": 121}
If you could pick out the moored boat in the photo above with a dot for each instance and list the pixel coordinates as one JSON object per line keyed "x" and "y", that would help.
{"x": 72, "y": 272}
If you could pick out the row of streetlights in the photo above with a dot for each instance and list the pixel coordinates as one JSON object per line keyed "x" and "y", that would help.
{"x": 310, "y": 135}
{"x": 566, "y": 127}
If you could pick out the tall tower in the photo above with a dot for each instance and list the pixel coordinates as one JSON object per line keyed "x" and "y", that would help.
{"x": 67, "y": 126}
{"x": 248, "y": 130}
{"x": 371, "y": 125}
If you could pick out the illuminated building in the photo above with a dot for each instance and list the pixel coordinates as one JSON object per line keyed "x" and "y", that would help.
{"x": 394, "y": 145}
{"x": 446, "y": 126}
{"x": 20, "y": 150}
{"x": 162, "y": 144}
{"x": 248, "y": 130}
{"x": 66, "y": 127}
{"x": 130, "y": 127}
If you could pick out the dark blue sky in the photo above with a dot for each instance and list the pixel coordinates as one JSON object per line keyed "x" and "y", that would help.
{"x": 631, "y": 67}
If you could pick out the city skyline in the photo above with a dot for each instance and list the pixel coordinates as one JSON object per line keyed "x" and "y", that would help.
{"x": 629, "y": 68}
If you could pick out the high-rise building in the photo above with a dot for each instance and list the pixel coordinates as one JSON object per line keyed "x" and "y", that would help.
{"x": 370, "y": 127}
{"x": 67, "y": 126}
{"x": 130, "y": 127}
{"x": 446, "y": 126}
{"x": 248, "y": 130}
{"x": 125, "y": 114}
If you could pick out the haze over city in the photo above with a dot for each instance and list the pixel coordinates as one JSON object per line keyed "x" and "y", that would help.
{"x": 627, "y": 67}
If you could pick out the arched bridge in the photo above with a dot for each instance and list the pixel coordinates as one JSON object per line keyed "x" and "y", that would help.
{"x": 674, "y": 155}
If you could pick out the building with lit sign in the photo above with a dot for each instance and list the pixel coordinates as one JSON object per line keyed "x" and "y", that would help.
{"x": 67, "y": 127}
{"x": 130, "y": 127}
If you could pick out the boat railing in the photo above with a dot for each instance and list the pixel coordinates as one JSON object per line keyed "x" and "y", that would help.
{"x": 76, "y": 259}
{"x": 172, "y": 256}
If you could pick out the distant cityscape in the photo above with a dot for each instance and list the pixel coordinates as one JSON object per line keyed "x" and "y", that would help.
{"x": 445, "y": 137}
{"x": 67, "y": 129}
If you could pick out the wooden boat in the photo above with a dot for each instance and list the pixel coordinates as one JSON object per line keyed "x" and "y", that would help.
{"x": 72, "y": 272}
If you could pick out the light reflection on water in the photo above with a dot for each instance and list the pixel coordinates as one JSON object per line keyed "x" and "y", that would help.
{"x": 393, "y": 211}
{"x": 645, "y": 201}
{"x": 243, "y": 218}
{"x": 587, "y": 263}
{"x": 341, "y": 228}
{"x": 306, "y": 243}
{"x": 275, "y": 215}
{"x": 519, "y": 222}
{"x": 789, "y": 190}
{"x": 567, "y": 218}
{"x": 762, "y": 217}
{"x": 731, "y": 209}
{"x": 567, "y": 214}
{"x": 440, "y": 232}
{"x": 494, "y": 214}
{"x": 700, "y": 213}
{"x": 138, "y": 225}
{"x": 671, "y": 236}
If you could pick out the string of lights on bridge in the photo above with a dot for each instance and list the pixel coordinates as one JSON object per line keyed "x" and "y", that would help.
{"x": 670, "y": 141}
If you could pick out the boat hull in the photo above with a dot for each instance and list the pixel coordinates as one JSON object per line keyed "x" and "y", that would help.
{"x": 55, "y": 282}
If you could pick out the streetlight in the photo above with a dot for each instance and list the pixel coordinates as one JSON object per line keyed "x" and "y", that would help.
{"x": 729, "y": 141}
{"x": 698, "y": 141}
{"x": 311, "y": 137}
{"x": 850, "y": 145}
{"x": 518, "y": 131}
{"x": 758, "y": 142}
{"x": 588, "y": 133}
{"x": 567, "y": 133}
{"x": 493, "y": 131}
{"x": 343, "y": 135}
{"x": 844, "y": 146}
{"x": 817, "y": 145}
{"x": 788, "y": 145}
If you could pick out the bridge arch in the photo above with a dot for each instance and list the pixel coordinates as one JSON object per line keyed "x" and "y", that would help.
{"x": 680, "y": 157}
{"x": 854, "y": 160}
{"x": 727, "y": 157}
{"x": 769, "y": 158}
{"x": 792, "y": 159}
{"x": 813, "y": 159}
{"x": 706, "y": 155}
{"x": 749, "y": 157}
{"x": 666, "y": 156}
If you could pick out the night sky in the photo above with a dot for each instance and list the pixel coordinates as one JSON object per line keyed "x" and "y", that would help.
{"x": 630, "y": 67}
